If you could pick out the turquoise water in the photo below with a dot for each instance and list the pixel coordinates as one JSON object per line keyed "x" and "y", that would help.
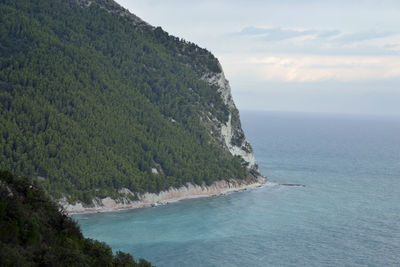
{"x": 347, "y": 215}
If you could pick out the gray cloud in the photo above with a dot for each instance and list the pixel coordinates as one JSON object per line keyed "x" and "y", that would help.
{"x": 328, "y": 42}
{"x": 280, "y": 34}
{"x": 328, "y": 33}
{"x": 275, "y": 34}
{"x": 363, "y": 36}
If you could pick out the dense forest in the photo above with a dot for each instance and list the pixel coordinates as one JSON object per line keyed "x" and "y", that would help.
{"x": 92, "y": 102}
{"x": 34, "y": 233}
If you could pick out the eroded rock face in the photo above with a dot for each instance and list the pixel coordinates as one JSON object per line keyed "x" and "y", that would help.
{"x": 162, "y": 198}
{"x": 231, "y": 133}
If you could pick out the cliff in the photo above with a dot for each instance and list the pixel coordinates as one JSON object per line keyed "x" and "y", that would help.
{"x": 230, "y": 133}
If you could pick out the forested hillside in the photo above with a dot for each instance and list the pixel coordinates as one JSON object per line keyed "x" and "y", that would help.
{"x": 93, "y": 100}
{"x": 34, "y": 233}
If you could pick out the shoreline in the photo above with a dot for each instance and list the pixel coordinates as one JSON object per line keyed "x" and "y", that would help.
{"x": 172, "y": 195}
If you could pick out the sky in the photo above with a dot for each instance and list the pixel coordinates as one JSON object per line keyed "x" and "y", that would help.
{"x": 328, "y": 56}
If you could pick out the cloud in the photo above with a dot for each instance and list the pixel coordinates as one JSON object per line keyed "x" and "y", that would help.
{"x": 300, "y": 68}
{"x": 278, "y": 34}
{"x": 362, "y": 36}
{"x": 328, "y": 33}
{"x": 278, "y": 40}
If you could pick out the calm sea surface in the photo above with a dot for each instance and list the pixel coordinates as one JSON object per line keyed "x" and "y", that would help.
{"x": 347, "y": 215}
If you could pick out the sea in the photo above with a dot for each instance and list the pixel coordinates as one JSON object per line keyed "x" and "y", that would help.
{"x": 347, "y": 213}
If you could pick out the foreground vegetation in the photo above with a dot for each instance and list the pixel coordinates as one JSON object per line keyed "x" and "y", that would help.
{"x": 91, "y": 102}
{"x": 34, "y": 233}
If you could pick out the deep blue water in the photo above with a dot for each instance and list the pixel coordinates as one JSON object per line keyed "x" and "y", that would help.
{"x": 347, "y": 215}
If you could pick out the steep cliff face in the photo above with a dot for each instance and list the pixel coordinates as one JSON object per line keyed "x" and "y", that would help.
{"x": 230, "y": 132}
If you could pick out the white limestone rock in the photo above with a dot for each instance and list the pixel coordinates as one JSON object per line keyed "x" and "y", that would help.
{"x": 231, "y": 133}
{"x": 164, "y": 197}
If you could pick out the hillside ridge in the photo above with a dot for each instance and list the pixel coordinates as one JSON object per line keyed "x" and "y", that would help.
{"x": 94, "y": 100}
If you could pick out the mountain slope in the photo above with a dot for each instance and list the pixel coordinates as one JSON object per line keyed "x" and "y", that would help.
{"x": 94, "y": 100}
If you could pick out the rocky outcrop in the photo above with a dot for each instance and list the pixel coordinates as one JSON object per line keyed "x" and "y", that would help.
{"x": 231, "y": 134}
{"x": 150, "y": 199}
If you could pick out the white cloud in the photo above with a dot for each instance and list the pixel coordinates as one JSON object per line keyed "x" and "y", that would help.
{"x": 280, "y": 34}
{"x": 305, "y": 68}
{"x": 363, "y": 36}
{"x": 275, "y": 33}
